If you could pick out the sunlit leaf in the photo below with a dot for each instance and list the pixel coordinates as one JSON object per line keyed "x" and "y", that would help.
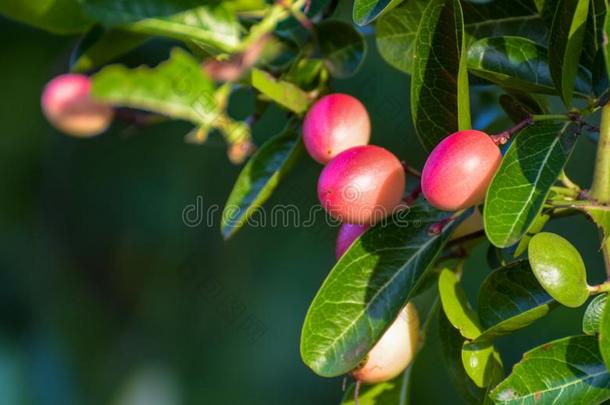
{"x": 520, "y": 187}
{"x": 284, "y": 93}
{"x": 520, "y": 64}
{"x": 258, "y": 180}
{"x": 368, "y": 287}
{"x": 565, "y": 371}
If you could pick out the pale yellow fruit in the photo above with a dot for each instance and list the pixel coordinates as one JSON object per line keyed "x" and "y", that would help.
{"x": 394, "y": 351}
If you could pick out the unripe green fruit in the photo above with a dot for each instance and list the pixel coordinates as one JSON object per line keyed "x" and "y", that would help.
{"x": 333, "y": 124}
{"x": 459, "y": 170}
{"x": 67, "y": 104}
{"x": 394, "y": 351}
{"x": 362, "y": 185}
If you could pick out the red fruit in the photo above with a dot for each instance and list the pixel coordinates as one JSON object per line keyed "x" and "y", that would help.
{"x": 348, "y": 233}
{"x": 394, "y": 351}
{"x": 335, "y": 123}
{"x": 459, "y": 170}
{"x": 362, "y": 185}
{"x": 67, "y": 104}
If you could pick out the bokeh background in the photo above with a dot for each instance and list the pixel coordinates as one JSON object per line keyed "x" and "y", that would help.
{"x": 108, "y": 297}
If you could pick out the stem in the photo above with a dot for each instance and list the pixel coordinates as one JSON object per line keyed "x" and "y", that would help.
{"x": 551, "y": 117}
{"x": 600, "y": 190}
{"x": 601, "y": 288}
{"x": 566, "y": 181}
{"x": 504, "y": 137}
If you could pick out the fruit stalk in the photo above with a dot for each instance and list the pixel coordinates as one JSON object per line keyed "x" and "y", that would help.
{"x": 600, "y": 189}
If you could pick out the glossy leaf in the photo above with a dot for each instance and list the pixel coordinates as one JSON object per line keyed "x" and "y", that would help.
{"x": 511, "y": 298}
{"x": 343, "y": 47}
{"x": 604, "y": 335}
{"x": 187, "y": 20}
{"x": 559, "y": 268}
{"x": 482, "y": 363}
{"x": 368, "y": 287}
{"x": 456, "y": 305}
{"x": 284, "y": 93}
{"x": 100, "y": 46}
{"x": 520, "y": 64}
{"x": 365, "y": 11}
{"x": 397, "y": 29}
{"x": 519, "y": 188}
{"x": 393, "y": 392}
{"x": 440, "y": 101}
{"x": 498, "y": 18}
{"x": 593, "y": 33}
{"x": 177, "y": 88}
{"x": 57, "y": 16}
{"x": 258, "y": 180}
{"x": 567, "y": 34}
{"x": 592, "y": 317}
{"x": 451, "y": 343}
{"x": 565, "y": 371}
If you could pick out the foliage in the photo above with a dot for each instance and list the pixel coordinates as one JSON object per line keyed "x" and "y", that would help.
{"x": 289, "y": 53}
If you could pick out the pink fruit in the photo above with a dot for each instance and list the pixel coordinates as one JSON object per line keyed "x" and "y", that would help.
{"x": 394, "y": 351}
{"x": 348, "y": 233}
{"x": 459, "y": 170}
{"x": 362, "y": 185}
{"x": 335, "y": 123}
{"x": 67, "y": 104}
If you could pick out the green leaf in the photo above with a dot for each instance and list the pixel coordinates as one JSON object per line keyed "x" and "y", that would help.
{"x": 396, "y": 33}
{"x": 520, "y": 64}
{"x": 482, "y": 363}
{"x": 258, "y": 179}
{"x": 393, "y": 392}
{"x": 593, "y": 34}
{"x": 592, "y": 317}
{"x": 439, "y": 87}
{"x": 57, "y": 16}
{"x": 567, "y": 34}
{"x": 186, "y": 20}
{"x": 565, "y": 371}
{"x": 604, "y": 335}
{"x": 100, "y": 46}
{"x": 451, "y": 344}
{"x": 284, "y": 93}
{"x": 511, "y": 298}
{"x": 499, "y": 17}
{"x": 368, "y": 287}
{"x": 559, "y": 268}
{"x": 365, "y": 11}
{"x": 177, "y": 88}
{"x": 456, "y": 305}
{"x": 520, "y": 187}
{"x": 343, "y": 47}
{"x": 396, "y": 30}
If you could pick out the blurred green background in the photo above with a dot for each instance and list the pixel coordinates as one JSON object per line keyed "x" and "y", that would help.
{"x": 106, "y": 296}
